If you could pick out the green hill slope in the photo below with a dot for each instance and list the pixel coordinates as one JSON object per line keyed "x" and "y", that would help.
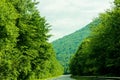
{"x": 67, "y": 46}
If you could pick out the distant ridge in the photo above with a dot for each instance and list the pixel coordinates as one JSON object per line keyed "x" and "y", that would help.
{"x": 67, "y": 46}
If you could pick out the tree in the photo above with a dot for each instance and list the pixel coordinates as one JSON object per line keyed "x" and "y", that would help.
{"x": 8, "y": 35}
{"x": 25, "y": 53}
{"x": 103, "y": 48}
{"x": 105, "y": 42}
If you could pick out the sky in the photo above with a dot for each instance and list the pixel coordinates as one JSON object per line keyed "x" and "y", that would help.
{"x": 67, "y": 16}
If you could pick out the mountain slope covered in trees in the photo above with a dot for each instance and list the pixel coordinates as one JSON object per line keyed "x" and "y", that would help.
{"x": 25, "y": 53}
{"x": 65, "y": 47}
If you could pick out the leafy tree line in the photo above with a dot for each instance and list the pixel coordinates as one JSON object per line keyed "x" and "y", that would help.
{"x": 25, "y": 53}
{"x": 99, "y": 54}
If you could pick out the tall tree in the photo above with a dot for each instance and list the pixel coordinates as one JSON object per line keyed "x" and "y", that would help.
{"x": 25, "y": 52}
{"x": 103, "y": 48}
{"x": 8, "y": 35}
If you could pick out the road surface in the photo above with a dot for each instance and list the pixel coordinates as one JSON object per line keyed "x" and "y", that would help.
{"x": 63, "y": 77}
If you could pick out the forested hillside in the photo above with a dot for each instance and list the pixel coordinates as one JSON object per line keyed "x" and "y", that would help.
{"x": 100, "y": 53}
{"x": 65, "y": 47}
{"x": 25, "y": 53}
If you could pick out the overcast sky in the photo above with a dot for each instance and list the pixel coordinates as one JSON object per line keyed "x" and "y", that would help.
{"x": 67, "y": 16}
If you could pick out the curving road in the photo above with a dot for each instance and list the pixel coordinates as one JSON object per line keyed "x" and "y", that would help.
{"x": 63, "y": 77}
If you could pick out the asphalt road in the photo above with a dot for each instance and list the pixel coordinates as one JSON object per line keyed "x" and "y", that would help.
{"x": 63, "y": 77}
{"x": 67, "y": 77}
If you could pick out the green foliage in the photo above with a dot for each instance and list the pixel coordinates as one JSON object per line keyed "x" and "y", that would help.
{"x": 67, "y": 46}
{"x": 117, "y": 3}
{"x": 101, "y": 54}
{"x": 8, "y": 35}
{"x": 25, "y": 53}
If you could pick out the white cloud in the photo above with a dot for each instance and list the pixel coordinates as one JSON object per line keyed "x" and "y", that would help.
{"x": 66, "y": 16}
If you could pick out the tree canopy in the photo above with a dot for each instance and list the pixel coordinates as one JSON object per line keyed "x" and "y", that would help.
{"x": 25, "y": 53}
{"x": 99, "y": 54}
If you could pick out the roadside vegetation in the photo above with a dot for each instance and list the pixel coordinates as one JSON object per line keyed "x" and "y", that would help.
{"x": 99, "y": 54}
{"x": 25, "y": 53}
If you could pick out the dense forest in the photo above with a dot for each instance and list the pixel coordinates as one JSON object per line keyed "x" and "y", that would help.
{"x": 25, "y": 53}
{"x": 99, "y": 54}
{"x": 66, "y": 47}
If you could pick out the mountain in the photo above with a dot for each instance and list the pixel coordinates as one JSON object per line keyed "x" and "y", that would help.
{"x": 65, "y": 47}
